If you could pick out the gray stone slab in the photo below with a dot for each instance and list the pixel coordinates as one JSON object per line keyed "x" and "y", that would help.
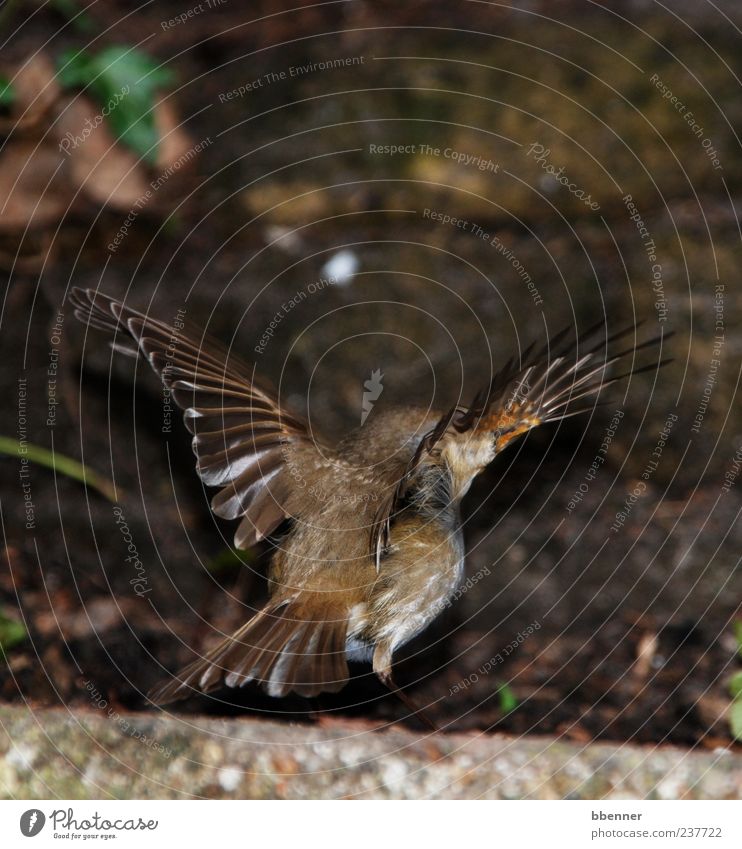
{"x": 50, "y": 753}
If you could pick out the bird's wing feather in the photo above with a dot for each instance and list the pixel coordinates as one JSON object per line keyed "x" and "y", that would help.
{"x": 543, "y": 384}
{"x": 242, "y": 438}
{"x": 539, "y": 386}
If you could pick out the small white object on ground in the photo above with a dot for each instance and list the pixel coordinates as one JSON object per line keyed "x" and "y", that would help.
{"x": 341, "y": 267}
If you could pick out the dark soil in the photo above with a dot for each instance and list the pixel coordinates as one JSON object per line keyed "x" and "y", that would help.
{"x": 617, "y": 636}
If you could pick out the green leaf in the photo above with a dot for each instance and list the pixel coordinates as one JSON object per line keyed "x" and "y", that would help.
{"x": 228, "y": 559}
{"x": 735, "y": 685}
{"x": 124, "y": 81}
{"x": 735, "y": 719}
{"x": 7, "y": 93}
{"x": 738, "y": 635}
{"x": 79, "y": 19}
{"x": 507, "y": 698}
{"x": 60, "y": 463}
{"x": 74, "y": 68}
{"x": 12, "y": 632}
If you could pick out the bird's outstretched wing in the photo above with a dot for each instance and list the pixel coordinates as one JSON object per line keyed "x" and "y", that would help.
{"x": 243, "y": 440}
{"x": 541, "y": 385}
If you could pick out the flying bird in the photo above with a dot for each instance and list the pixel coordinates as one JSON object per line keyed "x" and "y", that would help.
{"x": 374, "y": 548}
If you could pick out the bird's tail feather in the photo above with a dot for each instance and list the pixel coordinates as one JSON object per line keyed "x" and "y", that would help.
{"x": 279, "y": 648}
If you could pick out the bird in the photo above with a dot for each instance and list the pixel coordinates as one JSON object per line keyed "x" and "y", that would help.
{"x": 371, "y": 549}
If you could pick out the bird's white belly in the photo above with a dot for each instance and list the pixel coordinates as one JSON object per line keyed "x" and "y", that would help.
{"x": 414, "y": 612}
{"x": 411, "y": 610}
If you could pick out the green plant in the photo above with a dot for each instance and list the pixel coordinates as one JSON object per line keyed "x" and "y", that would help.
{"x": 60, "y": 463}
{"x": 12, "y": 632}
{"x": 124, "y": 81}
{"x": 69, "y": 9}
{"x": 229, "y": 560}
{"x": 507, "y": 699}
{"x": 735, "y": 689}
{"x": 7, "y": 93}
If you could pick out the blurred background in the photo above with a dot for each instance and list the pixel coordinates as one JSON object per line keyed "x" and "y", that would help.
{"x": 348, "y": 187}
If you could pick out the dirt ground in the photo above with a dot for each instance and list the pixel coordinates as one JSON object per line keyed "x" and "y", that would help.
{"x": 566, "y": 626}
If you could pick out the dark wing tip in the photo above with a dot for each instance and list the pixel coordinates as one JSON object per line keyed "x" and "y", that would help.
{"x": 562, "y": 370}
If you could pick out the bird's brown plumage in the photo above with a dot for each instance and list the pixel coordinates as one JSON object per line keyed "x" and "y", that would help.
{"x": 374, "y": 551}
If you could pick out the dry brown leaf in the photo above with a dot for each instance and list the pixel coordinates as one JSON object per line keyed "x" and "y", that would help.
{"x": 104, "y": 170}
{"x": 112, "y": 175}
{"x": 34, "y": 186}
{"x": 646, "y": 649}
{"x": 36, "y": 91}
{"x": 174, "y": 141}
{"x": 67, "y": 151}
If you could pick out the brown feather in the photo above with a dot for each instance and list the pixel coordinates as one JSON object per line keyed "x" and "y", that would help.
{"x": 529, "y": 391}
{"x": 278, "y": 648}
{"x": 241, "y": 434}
